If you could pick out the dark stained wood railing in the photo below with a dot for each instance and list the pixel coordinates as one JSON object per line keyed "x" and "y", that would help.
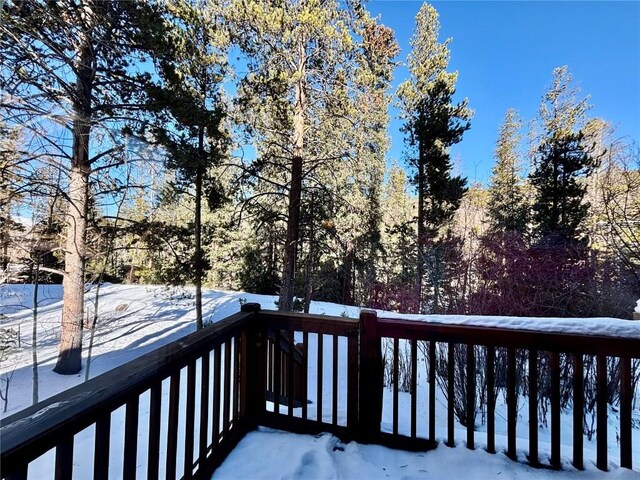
{"x": 289, "y": 356}
{"x": 290, "y": 409}
{"x": 54, "y": 422}
{"x": 255, "y": 368}
{"x": 573, "y": 348}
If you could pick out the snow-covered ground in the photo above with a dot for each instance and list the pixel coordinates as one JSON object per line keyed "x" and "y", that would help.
{"x": 136, "y": 319}
{"x": 299, "y": 457}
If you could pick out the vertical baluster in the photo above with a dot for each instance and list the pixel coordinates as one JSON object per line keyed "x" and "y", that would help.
{"x": 277, "y": 372}
{"x": 334, "y": 387}
{"x": 217, "y": 360}
{"x": 578, "y": 410}
{"x": 319, "y": 379}
{"x": 414, "y": 385}
{"x": 555, "y": 409}
{"x": 352, "y": 383}
{"x": 471, "y": 395}
{"x": 172, "y": 430}
{"x": 235, "y": 409}
{"x": 533, "y": 407}
{"x": 626, "y": 395}
{"x": 305, "y": 374}
{"x": 290, "y": 372}
{"x": 101, "y": 447}
{"x": 227, "y": 382}
{"x": 64, "y": 458}
{"x": 269, "y": 365}
{"x": 491, "y": 401}
{"x": 246, "y": 359}
{"x": 131, "y": 439}
{"x": 204, "y": 409}
{"x": 512, "y": 413}
{"x": 432, "y": 391}
{"x": 450, "y": 393}
{"x": 153, "y": 459}
{"x": 601, "y": 399}
{"x": 396, "y": 347}
{"x": 190, "y": 420}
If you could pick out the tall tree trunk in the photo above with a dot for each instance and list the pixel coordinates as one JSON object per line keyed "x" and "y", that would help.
{"x": 347, "y": 274}
{"x": 198, "y": 267}
{"x": 421, "y": 233}
{"x": 5, "y": 247}
{"x": 70, "y": 353}
{"x": 285, "y": 301}
{"x": 34, "y": 335}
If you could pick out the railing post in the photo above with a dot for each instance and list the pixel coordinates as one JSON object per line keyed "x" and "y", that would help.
{"x": 253, "y": 396}
{"x": 370, "y": 378}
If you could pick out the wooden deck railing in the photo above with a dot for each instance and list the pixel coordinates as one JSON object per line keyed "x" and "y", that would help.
{"x": 211, "y": 359}
{"x": 573, "y": 349}
{"x": 257, "y": 368}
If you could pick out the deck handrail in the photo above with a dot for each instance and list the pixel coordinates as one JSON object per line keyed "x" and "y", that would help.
{"x": 35, "y": 430}
{"x": 564, "y": 342}
{"x": 259, "y": 382}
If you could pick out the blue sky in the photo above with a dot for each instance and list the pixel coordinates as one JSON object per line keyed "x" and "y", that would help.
{"x": 505, "y": 53}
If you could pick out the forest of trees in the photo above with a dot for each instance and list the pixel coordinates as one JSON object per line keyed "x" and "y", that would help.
{"x": 243, "y": 144}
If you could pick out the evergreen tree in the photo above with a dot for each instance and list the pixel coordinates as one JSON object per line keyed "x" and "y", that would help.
{"x": 9, "y": 189}
{"x": 300, "y": 59}
{"x": 398, "y": 262}
{"x": 561, "y": 163}
{"x": 508, "y": 210}
{"x": 192, "y": 111}
{"x": 72, "y": 62}
{"x": 358, "y": 180}
{"x": 434, "y": 124}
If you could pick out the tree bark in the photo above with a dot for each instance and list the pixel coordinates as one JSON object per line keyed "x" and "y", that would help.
{"x": 34, "y": 335}
{"x": 70, "y": 353}
{"x": 5, "y": 248}
{"x": 285, "y": 301}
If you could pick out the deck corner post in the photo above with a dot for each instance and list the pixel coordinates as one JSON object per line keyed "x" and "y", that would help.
{"x": 250, "y": 307}
{"x": 254, "y": 353}
{"x": 370, "y": 382}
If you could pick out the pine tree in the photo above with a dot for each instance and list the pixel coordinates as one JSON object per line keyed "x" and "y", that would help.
{"x": 358, "y": 180}
{"x": 561, "y": 163}
{"x": 300, "y": 61}
{"x": 192, "y": 112}
{"x": 434, "y": 124}
{"x": 71, "y": 62}
{"x": 9, "y": 189}
{"x": 508, "y": 209}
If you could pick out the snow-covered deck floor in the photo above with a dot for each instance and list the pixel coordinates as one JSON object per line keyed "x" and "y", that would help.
{"x": 272, "y": 454}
